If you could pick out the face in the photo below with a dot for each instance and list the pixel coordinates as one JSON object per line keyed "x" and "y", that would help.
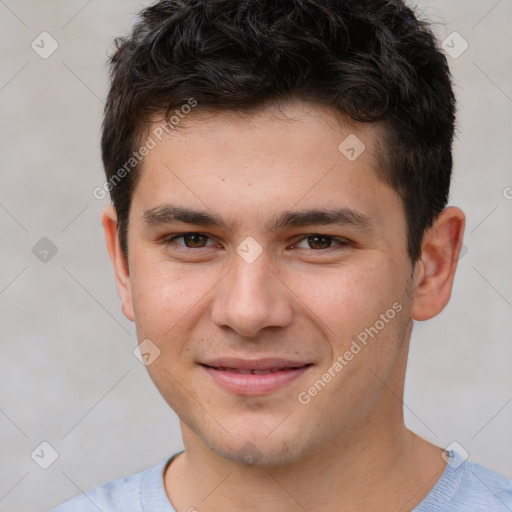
{"x": 271, "y": 273}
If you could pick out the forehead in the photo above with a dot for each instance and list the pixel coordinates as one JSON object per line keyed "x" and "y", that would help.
{"x": 275, "y": 158}
{"x": 295, "y": 121}
{"x": 282, "y": 131}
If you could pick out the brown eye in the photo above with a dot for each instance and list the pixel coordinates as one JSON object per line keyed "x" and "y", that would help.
{"x": 194, "y": 240}
{"x": 185, "y": 241}
{"x": 319, "y": 242}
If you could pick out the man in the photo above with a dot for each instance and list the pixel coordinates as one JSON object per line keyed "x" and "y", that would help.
{"x": 279, "y": 173}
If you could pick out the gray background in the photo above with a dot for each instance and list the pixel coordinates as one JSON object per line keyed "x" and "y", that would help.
{"x": 68, "y": 373}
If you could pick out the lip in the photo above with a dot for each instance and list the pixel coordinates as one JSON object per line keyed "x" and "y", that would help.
{"x": 232, "y": 374}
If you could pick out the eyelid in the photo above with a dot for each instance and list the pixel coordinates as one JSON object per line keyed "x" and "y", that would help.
{"x": 168, "y": 239}
{"x": 340, "y": 241}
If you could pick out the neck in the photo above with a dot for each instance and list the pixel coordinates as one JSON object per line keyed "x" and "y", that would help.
{"x": 380, "y": 468}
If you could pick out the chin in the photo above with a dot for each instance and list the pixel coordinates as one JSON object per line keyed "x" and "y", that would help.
{"x": 258, "y": 450}
{"x": 250, "y": 455}
{"x": 252, "y": 438}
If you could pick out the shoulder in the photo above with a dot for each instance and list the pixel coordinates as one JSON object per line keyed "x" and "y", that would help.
{"x": 467, "y": 486}
{"x": 121, "y": 495}
{"x": 482, "y": 488}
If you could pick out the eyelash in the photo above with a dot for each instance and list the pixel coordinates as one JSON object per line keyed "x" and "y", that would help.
{"x": 342, "y": 242}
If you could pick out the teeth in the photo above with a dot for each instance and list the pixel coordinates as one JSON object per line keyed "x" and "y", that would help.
{"x": 254, "y": 372}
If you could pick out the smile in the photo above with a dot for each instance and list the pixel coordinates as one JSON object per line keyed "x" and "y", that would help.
{"x": 253, "y": 372}
{"x": 241, "y": 379}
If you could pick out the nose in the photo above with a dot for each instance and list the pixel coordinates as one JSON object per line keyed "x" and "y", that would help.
{"x": 251, "y": 297}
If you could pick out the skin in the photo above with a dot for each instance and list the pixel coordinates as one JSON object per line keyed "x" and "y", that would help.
{"x": 297, "y": 299}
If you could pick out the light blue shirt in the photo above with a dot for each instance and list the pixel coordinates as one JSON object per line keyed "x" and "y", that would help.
{"x": 463, "y": 487}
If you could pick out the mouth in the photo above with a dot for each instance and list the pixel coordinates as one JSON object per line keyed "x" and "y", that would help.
{"x": 254, "y": 377}
{"x": 243, "y": 371}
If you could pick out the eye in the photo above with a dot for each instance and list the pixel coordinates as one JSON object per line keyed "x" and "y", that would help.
{"x": 191, "y": 240}
{"x": 320, "y": 242}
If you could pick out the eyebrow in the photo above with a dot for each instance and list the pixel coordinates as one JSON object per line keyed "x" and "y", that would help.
{"x": 169, "y": 214}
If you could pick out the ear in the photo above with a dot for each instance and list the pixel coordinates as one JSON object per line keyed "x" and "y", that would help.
{"x": 435, "y": 271}
{"x": 119, "y": 262}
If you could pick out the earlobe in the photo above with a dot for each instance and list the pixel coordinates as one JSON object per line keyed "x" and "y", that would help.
{"x": 119, "y": 262}
{"x": 435, "y": 272}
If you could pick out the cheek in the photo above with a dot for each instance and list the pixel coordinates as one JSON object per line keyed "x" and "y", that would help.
{"x": 346, "y": 300}
{"x": 168, "y": 298}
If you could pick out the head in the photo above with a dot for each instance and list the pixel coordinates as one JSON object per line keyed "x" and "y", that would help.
{"x": 307, "y": 144}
